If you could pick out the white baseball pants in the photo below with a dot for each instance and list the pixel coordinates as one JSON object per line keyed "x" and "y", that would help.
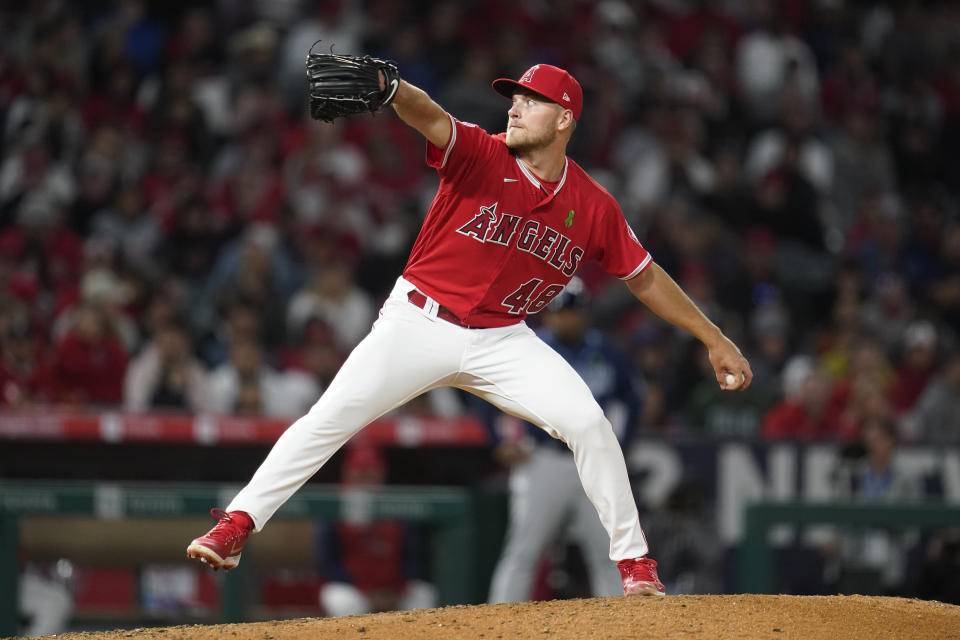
{"x": 410, "y": 351}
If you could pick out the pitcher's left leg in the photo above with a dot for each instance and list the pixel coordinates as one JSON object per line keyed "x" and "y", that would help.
{"x": 516, "y": 371}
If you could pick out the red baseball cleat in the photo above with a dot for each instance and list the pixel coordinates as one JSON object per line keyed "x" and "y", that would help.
{"x": 639, "y": 577}
{"x": 222, "y": 545}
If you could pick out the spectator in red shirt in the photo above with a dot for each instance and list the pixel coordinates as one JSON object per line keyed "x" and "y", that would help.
{"x": 116, "y": 103}
{"x": 917, "y": 366}
{"x": 863, "y": 394}
{"x": 40, "y": 247}
{"x": 90, "y": 361}
{"x": 687, "y": 31}
{"x": 23, "y": 377}
{"x": 802, "y": 414}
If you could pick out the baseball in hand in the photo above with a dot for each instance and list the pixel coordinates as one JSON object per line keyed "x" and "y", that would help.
{"x": 730, "y": 379}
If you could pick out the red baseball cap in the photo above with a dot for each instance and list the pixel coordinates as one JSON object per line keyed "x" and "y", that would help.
{"x": 550, "y": 82}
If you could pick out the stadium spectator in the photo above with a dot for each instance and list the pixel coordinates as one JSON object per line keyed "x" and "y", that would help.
{"x": 326, "y": 180}
{"x": 131, "y": 228}
{"x": 333, "y": 297}
{"x": 240, "y": 321}
{"x": 834, "y": 344}
{"x": 97, "y": 176}
{"x": 672, "y": 164}
{"x": 191, "y": 245}
{"x": 318, "y": 359}
{"x": 172, "y": 182}
{"x": 102, "y": 288}
{"x": 90, "y": 361}
{"x": 166, "y": 376}
{"x": 250, "y": 186}
{"x": 770, "y": 60}
{"x": 862, "y": 394}
{"x": 863, "y": 165}
{"x": 700, "y": 21}
{"x": 257, "y": 271}
{"x": 850, "y": 88}
{"x": 24, "y": 370}
{"x": 336, "y": 23}
{"x": 936, "y": 416}
{"x": 40, "y": 246}
{"x": 795, "y": 156}
{"x": 769, "y": 346}
{"x": 116, "y": 102}
{"x": 918, "y": 363}
{"x": 944, "y": 288}
{"x": 888, "y": 310}
{"x": 802, "y": 413}
{"x": 247, "y": 384}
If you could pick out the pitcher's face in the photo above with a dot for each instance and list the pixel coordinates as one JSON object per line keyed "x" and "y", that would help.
{"x": 532, "y": 121}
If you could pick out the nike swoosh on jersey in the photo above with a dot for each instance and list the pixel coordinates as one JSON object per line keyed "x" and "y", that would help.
{"x": 510, "y": 180}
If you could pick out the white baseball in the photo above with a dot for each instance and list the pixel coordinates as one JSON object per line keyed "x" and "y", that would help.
{"x": 730, "y": 379}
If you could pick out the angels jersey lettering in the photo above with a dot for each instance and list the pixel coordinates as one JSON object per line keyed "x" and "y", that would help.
{"x": 486, "y": 226}
{"x": 497, "y": 245}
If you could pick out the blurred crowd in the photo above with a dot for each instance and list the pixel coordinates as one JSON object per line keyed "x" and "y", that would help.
{"x": 176, "y": 234}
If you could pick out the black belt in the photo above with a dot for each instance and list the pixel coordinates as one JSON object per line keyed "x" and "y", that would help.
{"x": 417, "y": 298}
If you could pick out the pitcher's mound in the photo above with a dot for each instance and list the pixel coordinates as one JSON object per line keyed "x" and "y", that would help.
{"x": 737, "y": 617}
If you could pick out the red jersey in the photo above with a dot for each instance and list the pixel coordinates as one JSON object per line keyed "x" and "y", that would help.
{"x": 496, "y": 245}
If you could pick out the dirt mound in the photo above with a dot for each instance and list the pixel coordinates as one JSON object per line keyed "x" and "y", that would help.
{"x": 723, "y": 617}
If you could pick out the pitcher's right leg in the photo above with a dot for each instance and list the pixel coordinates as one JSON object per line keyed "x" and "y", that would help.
{"x": 404, "y": 355}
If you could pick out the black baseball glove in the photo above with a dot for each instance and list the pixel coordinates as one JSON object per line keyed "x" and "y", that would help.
{"x": 345, "y": 85}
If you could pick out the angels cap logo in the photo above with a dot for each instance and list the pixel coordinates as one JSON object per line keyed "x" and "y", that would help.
{"x": 553, "y": 83}
{"x": 528, "y": 76}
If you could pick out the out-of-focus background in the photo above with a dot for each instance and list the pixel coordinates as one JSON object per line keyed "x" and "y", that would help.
{"x": 186, "y": 258}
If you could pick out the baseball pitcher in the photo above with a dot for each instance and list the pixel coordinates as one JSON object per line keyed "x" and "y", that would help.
{"x": 512, "y": 221}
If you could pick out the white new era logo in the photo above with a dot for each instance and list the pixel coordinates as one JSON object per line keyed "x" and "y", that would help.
{"x": 566, "y": 97}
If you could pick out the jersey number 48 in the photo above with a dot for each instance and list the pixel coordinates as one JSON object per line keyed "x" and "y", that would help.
{"x": 520, "y": 300}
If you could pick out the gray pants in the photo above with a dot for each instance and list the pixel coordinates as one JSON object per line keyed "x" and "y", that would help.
{"x": 547, "y": 499}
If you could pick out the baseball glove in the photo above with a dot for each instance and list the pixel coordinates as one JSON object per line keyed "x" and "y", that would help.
{"x": 345, "y": 85}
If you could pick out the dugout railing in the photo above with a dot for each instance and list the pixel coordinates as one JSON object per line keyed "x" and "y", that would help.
{"x": 449, "y": 511}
